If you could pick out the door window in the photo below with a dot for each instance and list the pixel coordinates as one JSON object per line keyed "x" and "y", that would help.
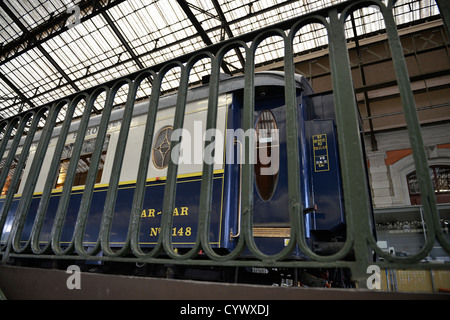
{"x": 267, "y": 155}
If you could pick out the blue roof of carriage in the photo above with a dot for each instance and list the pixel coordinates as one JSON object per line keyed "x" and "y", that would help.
{"x": 227, "y": 85}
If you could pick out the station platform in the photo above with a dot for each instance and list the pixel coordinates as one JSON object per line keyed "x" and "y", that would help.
{"x": 21, "y": 283}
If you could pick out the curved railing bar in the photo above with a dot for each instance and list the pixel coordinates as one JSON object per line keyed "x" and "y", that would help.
{"x": 413, "y": 125}
{"x": 20, "y": 122}
{"x": 13, "y": 148}
{"x": 248, "y": 170}
{"x": 111, "y": 195}
{"x": 139, "y": 193}
{"x": 292, "y": 144}
{"x": 4, "y": 141}
{"x": 132, "y": 240}
{"x": 172, "y": 170}
{"x": 33, "y": 175}
{"x": 205, "y": 204}
{"x": 36, "y": 246}
{"x": 63, "y": 204}
{"x": 169, "y": 202}
{"x": 9, "y": 125}
{"x": 88, "y": 191}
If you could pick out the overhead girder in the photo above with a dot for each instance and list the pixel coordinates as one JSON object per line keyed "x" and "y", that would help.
{"x": 202, "y": 33}
{"x": 122, "y": 39}
{"x": 38, "y": 46}
{"x": 55, "y": 25}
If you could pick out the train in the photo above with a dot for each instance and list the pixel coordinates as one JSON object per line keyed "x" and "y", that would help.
{"x": 321, "y": 188}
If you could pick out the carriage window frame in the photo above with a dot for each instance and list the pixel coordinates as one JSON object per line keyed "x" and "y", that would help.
{"x": 266, "y": 184}
{"x": 83, "y": 163}
{"x": 11, "y": 172}
{"x": 156, "y": 149}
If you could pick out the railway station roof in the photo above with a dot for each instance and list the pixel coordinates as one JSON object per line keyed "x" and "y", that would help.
{"x": 53, "y": 48}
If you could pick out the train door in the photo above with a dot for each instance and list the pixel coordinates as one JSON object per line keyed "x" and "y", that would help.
{"x": 271, "y": 222}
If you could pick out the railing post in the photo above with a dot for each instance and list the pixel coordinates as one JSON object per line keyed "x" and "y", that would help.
{"x": 414, "y": 130}
{"x": 32, "y": 178}
{"x": 350, "y": 150}
{"x": 444, "y": 9}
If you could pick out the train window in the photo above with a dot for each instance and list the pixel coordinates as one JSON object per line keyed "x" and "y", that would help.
{"x": 83, "y": 163}
{"x": 267, "y": 155}
{"x": 161, "y": 147}
{"x": 10, "y": 175}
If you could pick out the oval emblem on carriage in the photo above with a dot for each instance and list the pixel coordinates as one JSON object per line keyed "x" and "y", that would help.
{"x": 161, "y": 148}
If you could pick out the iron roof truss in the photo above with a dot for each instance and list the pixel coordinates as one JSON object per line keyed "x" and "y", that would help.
{"x": 133, "y": 35}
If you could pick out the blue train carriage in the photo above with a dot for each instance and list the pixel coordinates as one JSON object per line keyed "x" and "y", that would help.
{"x": 321, "y": 186}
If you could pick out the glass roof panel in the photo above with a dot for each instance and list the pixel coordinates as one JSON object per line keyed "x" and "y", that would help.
{"x": 7, "y": 98}
{"x": 34, "y": 13}
{"x": 155, "y": 31}
{"x": 8, "y": 29}
{"x": 31, "y": 72}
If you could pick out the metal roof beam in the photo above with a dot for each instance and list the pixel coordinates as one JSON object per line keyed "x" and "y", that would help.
{"x": 22, "y": 97}
{"x": 57, "y": 66}
{"x": 202, "y": 33}
{"x": 45, "y": 53}
{"x": 227, "y": 29}
{"x": 122, "y": 39}
{"x": 187, "y": 10}
{"x": 54, "y": 26}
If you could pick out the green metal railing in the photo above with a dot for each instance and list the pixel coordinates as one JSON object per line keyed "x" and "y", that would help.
{"x": 359, "y": 241}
